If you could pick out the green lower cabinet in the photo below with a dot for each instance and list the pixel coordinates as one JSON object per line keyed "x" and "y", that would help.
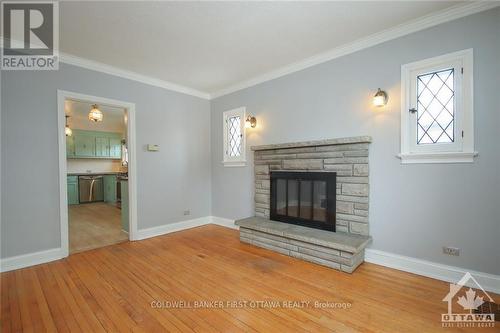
{"x": 73, "y": 190}
{"x": 124, "y": 194}
{"x": 110, "y": 188}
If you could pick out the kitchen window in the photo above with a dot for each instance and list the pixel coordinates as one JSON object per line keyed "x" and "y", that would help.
{"x": 437, "y": 110}
{"x": 234, "y": 138}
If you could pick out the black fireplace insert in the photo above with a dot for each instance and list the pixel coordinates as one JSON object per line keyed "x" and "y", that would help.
{"x": 304, "y": 198}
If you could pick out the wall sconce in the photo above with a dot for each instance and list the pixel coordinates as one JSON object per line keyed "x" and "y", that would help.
{"x": 380, "y": 98}
{"x": 250, "y": 122}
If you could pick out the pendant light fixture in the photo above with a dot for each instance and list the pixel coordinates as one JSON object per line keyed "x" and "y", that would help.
{"x": 67, "y": 130}
{"x": 95, "y": 114}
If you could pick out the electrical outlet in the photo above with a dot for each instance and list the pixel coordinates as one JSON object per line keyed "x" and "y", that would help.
{"x": 187, "y": 212}
{"x": 451, "y": 251}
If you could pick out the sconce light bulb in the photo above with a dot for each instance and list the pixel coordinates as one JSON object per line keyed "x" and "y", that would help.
{"x": 250, "y": 122}
{"x": 380, "y": 98}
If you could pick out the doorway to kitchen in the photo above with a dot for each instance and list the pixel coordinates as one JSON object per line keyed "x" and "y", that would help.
{"x": 97, "y": 171}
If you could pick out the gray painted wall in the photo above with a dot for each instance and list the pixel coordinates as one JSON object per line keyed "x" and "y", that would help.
{"x": 414, "y": 209}
{"x": 169, "y": 181}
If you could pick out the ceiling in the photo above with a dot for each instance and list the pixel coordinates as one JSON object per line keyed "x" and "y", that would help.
{"x": 210, "y": 46}
{"x": 113, "y": 117}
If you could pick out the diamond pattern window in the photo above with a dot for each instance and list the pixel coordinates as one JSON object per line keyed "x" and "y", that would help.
{"x": 437, "y": 120}
{"x": 435, "y": 107}
{"x": 234, "y": 137}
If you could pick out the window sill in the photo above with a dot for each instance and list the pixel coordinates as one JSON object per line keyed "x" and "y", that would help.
{"x": 430, "y": 158}
{"x": 234, "y": 164}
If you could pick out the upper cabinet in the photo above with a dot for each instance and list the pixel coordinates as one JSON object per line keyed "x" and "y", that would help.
{"x": 84, "y": 145}
{"x": 70, "y": 147}
{"x": 115, "y": 148}
{"x": 101, "y": 147}
{"x": 91, "y": 144}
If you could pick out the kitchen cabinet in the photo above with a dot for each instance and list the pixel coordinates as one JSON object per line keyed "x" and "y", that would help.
{"x": 115, "y": 147}
{"x": 110, "y": 188}
{"x": 93, "y": 144}
{"x": 72, "y": 182}
{"x": 101, "y": 147}
{"x": 70, "y": 146}
{"x": 84, "y": 145}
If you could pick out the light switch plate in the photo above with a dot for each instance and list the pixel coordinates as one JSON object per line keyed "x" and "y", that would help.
{"x": 153, "y": 147}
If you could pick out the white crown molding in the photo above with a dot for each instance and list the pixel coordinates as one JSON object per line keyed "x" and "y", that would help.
{"x": 418, "y": 24}
{"x": 412, "y": 26}
{"x": 103, "y": 68}
{"x": 126, "y": 74}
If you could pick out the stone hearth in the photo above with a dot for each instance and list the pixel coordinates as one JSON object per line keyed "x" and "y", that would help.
{"x": 336, "y": 250}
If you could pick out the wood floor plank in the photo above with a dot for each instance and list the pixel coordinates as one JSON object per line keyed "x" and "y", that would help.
{"x": 128, "y": 290}
{"x": 50, "y": 297}
{"x": 5, "y": 319}
{"x": 112, "y": 289}
{"x": 115, "y": 307}
{"x": 245, "y": 290}
{"x": 24, "y": 303}
{"x": 46, "y": 315}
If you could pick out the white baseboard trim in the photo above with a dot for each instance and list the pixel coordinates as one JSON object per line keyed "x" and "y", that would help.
{"x": 41, "y": 257}
{"x": 183, "y": 225}
{"x": 223, "y": 222}
{"x": 30, "y": 259}
{"x": 489, "y": 282}
{"x": 172, "y": 227}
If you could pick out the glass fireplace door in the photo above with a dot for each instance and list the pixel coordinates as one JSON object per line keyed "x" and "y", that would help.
{"x": 304, "y": 198}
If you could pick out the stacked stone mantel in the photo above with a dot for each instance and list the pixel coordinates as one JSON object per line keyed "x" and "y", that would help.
{"x": 346, "y": 156}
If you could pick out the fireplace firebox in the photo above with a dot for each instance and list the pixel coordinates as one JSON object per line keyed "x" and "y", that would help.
{"x": 304, "y": 198}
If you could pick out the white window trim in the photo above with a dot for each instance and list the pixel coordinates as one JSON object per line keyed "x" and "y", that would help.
{"x": 234, "y": 161}
{"x": 463, "y": 151}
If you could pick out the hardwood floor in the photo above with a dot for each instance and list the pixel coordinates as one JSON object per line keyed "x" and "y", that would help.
{"x": 113, "y": 289}
{"x": 94, "y": 225}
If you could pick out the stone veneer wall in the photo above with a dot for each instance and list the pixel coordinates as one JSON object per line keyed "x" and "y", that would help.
{"x": 347, "y": 156}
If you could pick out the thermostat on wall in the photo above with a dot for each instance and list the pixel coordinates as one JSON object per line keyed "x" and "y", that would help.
{"x": 153, "y": 147}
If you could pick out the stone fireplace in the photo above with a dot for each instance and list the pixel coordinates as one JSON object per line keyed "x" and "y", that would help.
{"x": 347, "y": 157}
{"x": 312, "y": 201}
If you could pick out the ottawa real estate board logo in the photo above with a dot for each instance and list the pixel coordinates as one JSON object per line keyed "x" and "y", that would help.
{"x": 30, "y": 35}
{"x": 468, "y": 307}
